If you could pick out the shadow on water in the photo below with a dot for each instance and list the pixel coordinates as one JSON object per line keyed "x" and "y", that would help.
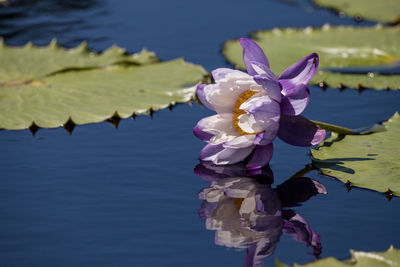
{"x": 247, "y": 213}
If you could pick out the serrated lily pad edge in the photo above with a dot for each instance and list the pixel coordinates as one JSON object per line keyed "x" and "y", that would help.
{"x": 188, "y": 94}
{"x": 83, "y": 48}
{"x": 115, "y": 117}
{"x": 357, "y": 18}
{"x": 388, "y": 193}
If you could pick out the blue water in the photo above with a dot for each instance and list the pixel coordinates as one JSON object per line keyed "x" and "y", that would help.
{"x": 128, "y": 197}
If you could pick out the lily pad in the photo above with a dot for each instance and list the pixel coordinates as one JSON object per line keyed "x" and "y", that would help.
{"x": 383, "y": 10}
{"x": 338, "y": 47}
{"x": 388, "y": 258}
{"x": 20, "y": 64}
{"x": 367, "y": 161}
{"x": 93, "y": 95}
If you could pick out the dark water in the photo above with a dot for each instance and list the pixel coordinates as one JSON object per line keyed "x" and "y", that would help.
{"x": 128, "y": 197}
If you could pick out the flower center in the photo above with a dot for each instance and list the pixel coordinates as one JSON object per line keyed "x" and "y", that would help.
{"x": 243, "y": 97}
{"x": 238, "y": 202}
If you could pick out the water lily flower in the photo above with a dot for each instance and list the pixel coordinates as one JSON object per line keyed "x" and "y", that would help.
{"x": 254, "y": 108}
{"x": 247, "y": 213}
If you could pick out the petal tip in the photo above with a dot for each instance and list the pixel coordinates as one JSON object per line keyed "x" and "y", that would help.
{"x": 318, "y": 137}
{"x": 202, "y": 97}
{"x": 321, "y": 189}
{"x": 202, "y": 135}
{"x": 244, "y": 41}
{"x": 252, "y": 168}
{"x": 200, "y": 88}
{"x": 316, "y": 59}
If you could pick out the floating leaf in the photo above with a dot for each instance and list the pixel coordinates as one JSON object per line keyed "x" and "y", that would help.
{"x": 367, "y": 161}
{"x": 388, "y": 258}
{"x": 338, "y": 47}
{"x": 88, "y": 96}
{"x": 20, "y": 64}
{"x": 383, "y": 10}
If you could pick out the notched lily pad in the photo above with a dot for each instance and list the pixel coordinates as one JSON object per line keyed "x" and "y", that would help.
{"x": 384, "y": 10}
{"x": 337, "y": 47}
{"x": 367, "y": 161}
{"x": 62, "y": 87}
{"x": 388, "y": 258}
{"x": 21, "y": 64}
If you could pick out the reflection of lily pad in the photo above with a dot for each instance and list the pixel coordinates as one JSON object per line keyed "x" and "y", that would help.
{"x": 367, "y": 161}
{"x": 382, "y": 10}
{"x": 88, "y": 96}
{"x": 30, "y": 61}
{"x": 338, "y": 47}
{"x": 389, "y": 258}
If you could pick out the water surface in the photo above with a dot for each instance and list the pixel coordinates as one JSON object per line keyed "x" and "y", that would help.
{"x": 128, "y": 197}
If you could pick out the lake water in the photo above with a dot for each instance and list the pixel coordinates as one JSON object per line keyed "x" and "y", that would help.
{"x": 129, "y": 197}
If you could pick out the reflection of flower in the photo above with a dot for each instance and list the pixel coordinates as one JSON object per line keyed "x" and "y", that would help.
{"x": 252, "y": 109}
{"x": 247, "y": 213}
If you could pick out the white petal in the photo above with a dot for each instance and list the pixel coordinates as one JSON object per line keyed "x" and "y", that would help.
{"x": 241, "y": 141}
{"x": 225, "y": 73}
{"x": 248, "y": 206}
{"x": 263, "y": 113}
{"x": 248, "y": 124}
{"x": 224, "y": 94}
{"x": 221, "y": 126}
{"x": 230, "y": 155}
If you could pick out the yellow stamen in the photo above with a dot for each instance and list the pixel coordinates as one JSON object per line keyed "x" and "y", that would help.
{"x": 243, "y": 97}
{"x": 238, "y": 202}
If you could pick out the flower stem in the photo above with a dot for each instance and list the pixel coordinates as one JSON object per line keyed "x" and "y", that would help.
{"x": 347, "y": 131}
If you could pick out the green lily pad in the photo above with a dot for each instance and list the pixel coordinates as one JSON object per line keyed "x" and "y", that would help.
{"x": 367, "y": 161}
{"x": 383, "y": 10}
{"x": 337, "y": 47}
{"x": 89, "y": 96}
{"x": 388, "y": 258}
{"x": 20, "y": 64}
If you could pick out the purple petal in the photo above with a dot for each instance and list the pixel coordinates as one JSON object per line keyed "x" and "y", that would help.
{"x": 299, "y": 131}
{"x": 300, "y": 230}
{"x": 207, "y": 174}
{"x": 259, "y": 139}
{"x": 265, "y": 111}
{"x": 252, "y": 52}
{"x": 222, "y": 156}
{"x": 296, "y": 101}
{"x": 299, "y": 189}
{"x": 201, "y": 134}
{"x": 211, "y": 172}
{"x": 266, "y": 137}
{"x": 267, "y": 79}
{"x": 321, "y": 189}
{"x": 261, "y": 157}
{"x": 256, "y": 252}
{"x": 210, "y": 150}
{"x": 299, "y": 73}
{"x": 250, "y": 255}
{"x": 202, "y": 96}
{"x": 207, "y": 209}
